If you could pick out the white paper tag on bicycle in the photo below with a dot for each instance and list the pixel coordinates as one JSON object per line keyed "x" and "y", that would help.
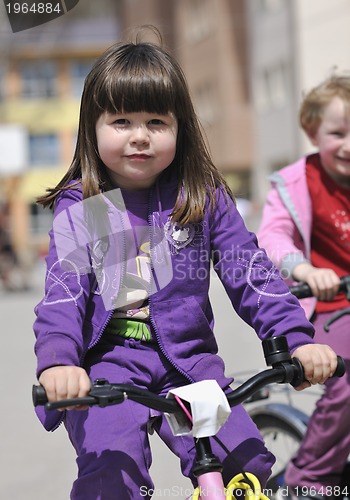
{"x": 209, "y": 409}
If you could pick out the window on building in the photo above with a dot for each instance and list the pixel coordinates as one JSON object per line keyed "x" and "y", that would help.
{"x": 270, "y": 5}
{"x": 271, "y": 88}
{"x": 44, "y": 149}
{"x": 100, "y": 9}
{"x": 199, "y": 23}
{"x": 206, "y": 103}
{"x": 38, "y": 79}
{"x": 2, "y": 83}
{"x": 276, "y": 84}
{"x": 79, "y": 70}
{"x": 40, "y": 219}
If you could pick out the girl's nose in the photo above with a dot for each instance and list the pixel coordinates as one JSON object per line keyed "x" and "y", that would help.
{"x": 140, "y": 135}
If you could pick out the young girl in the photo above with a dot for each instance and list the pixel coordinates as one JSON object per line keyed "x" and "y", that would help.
{"x": 139, "y": 217}
{"x": 307, "y": 213}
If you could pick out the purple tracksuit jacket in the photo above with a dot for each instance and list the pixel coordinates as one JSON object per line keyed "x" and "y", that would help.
{"x": 85, "y": 266}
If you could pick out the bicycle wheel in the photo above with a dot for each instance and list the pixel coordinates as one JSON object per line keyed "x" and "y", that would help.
{"x": 283, "y": 440}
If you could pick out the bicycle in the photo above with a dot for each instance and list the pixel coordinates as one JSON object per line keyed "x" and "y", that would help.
{"x": 207, "y": 468}
{"x": 283, "y": 425}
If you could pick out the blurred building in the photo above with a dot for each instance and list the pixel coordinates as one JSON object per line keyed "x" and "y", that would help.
{"x": 209, "y": 40}
{"x": 43, "y": 70}
{"x": 41, "y": 80}
{"x": 247, "y": 63}
{"x": 292, "y": 47}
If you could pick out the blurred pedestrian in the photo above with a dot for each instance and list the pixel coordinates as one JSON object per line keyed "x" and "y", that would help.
{"x": 8, "y": 258}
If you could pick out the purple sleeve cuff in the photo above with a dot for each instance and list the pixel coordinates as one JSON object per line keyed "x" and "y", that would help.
{"x": 56, "y": 349}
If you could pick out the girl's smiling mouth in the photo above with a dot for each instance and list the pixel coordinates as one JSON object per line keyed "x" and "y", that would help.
{"x": 346, "y": 160}
{"x": 138, "y": 156}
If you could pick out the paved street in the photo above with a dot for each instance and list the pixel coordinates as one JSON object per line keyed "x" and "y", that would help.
{"x": 36, "y": 465}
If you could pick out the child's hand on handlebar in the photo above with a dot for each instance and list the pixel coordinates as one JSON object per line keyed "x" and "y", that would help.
{"x": 324, "y": 283}
{"x": 319, "y": 362}
{"x": 65, "y": 382}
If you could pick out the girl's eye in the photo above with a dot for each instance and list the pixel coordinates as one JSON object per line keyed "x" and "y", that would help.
{"x": 156, "y": 121}
{"x": 121, "y": 121}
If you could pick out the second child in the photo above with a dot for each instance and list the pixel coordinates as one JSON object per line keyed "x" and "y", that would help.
{"x": 305, "y": 229}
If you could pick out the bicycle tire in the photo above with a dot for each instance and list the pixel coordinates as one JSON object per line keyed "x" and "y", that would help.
{"x": 283, "y": 440}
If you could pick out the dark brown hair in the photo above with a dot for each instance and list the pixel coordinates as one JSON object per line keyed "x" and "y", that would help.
{"x": 142, "y": 77}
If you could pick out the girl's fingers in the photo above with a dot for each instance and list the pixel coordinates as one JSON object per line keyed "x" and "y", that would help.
{"x": 319, "y": 362}
{"x": 65, "y": 382}
{"x": 324, "y": 284}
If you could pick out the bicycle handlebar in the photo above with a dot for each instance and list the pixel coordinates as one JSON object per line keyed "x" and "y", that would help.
{"x": 284, "y": 370}
{"x": 303, "y": 290}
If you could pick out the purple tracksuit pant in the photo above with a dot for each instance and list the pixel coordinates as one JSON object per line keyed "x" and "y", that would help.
{"x": 112, "y": 446}
{"x": 326, "y": 446}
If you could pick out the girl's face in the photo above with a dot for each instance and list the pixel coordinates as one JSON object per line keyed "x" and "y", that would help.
{"x": 136, "y": 147}
{"x": 333, "y": 141}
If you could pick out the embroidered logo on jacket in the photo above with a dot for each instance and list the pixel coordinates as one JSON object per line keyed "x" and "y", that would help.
{"x": 180, "y": 236}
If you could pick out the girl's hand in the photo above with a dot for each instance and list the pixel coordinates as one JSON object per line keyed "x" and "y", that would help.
{"x": 324, "y": 283}
{"x": 65, "y": 382}
{"x": 319, "y": 362}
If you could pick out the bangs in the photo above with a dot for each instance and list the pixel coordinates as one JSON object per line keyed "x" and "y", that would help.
{"x": 140, "y": 83}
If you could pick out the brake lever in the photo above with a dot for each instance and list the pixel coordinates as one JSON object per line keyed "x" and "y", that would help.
{"x": 102, "y": 394}
{"x": 105, "y": 394}
{"x": 56, "y": 405}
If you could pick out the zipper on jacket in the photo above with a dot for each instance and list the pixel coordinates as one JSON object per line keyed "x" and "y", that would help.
{"x": 164, "y": 352}
{"x": 60, "y": 422}
{"x": 155, "y": 330}
{"x": 99, "y": 336}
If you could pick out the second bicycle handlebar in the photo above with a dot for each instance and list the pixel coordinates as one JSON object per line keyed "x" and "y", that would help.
{"x": 284, "y": 370}
{"x": 303, "y": 290}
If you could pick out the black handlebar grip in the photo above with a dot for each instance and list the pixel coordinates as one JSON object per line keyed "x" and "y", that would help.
{"x": 299, "y": 376}
{"x": 301, "y": 291}
{"x": 299, "y": 371}
{"x": 39, "y": 395}
{"x": 340, "y": 370}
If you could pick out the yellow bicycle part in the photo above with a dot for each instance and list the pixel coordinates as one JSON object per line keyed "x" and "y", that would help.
{"x": 238, "y": 482}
